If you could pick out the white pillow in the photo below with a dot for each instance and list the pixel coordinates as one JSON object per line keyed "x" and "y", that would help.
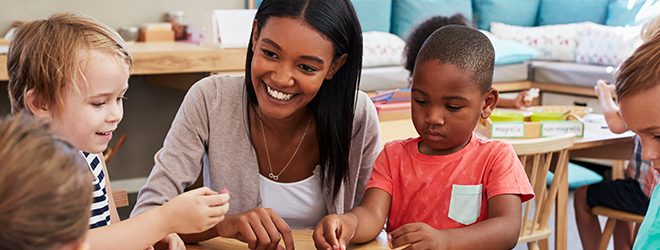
{"x": 553, "y": 42}
{"x": 606, "y": 45}
{"x": 381, "y": 49}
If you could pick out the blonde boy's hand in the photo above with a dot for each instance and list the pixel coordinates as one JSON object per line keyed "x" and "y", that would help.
{"x": 418, "y": 236}
{"x": 335, "y": 231}
{"x": 195, "y": 211}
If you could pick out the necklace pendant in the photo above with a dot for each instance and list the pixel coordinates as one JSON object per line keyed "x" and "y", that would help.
{"x": 273, "y": 176}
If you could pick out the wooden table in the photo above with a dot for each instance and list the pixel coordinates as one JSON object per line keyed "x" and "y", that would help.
{"x": 598, "y": 142}
{"x": 301, "y": 238}
{"x": 158, "y": 58}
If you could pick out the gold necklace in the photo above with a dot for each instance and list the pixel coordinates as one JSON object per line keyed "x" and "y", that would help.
{"x": 270, "y": 166}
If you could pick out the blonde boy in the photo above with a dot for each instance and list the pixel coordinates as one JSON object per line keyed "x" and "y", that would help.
{"x": 73, "y": 72}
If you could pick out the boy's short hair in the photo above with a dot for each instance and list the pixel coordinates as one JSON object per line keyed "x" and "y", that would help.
{"x": 466, "y": 48}
{"x": 641, "y": 71}
{"x": 45, "y": 187}
{"x": 45, "y": 56}
{"x": 422, "y": 31}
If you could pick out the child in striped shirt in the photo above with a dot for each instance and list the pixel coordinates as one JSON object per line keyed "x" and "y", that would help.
{"x": 73, "y": 72}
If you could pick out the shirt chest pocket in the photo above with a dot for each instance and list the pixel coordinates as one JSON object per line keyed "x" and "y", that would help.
{"x": 465, "y": 203}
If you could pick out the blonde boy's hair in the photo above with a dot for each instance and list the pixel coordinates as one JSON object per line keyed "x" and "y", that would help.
{"x": 44, "y": 185}
{"x": 45, "y": 56}
{"x": 641, "y": 71}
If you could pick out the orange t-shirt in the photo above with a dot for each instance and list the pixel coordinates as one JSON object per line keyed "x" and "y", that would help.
{"x": 447, "y": 191}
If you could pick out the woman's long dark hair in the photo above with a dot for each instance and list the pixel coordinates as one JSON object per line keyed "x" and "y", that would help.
{"x": 333, "y": 106}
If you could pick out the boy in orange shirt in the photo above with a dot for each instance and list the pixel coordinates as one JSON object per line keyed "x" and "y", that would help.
{"x": 441, "y": 189}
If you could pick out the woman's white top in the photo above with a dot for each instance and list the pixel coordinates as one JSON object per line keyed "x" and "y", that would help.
{"x": 300, "y": 204}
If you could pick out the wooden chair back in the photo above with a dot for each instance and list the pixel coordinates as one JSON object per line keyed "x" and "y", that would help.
{"x": 121, "y": 198}
{"x": 538, "y": 156}
{"x": 613, "y": 216}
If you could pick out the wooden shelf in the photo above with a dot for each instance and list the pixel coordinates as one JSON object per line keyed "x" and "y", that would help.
{"x": 157, "y": 58}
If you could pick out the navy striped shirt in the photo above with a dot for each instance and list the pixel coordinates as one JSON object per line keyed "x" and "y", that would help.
{"x": 100, "y": 215}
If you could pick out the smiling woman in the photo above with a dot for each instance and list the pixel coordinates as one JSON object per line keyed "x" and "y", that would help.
{"x": 293, "y": 140}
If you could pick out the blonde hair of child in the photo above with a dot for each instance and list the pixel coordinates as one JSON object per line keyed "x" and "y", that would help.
{"x": 46, "y": 56}
{"x": 641, "y": 71}
{"x": 44, "y": 185}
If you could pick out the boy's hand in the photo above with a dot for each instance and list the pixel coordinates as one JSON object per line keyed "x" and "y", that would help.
{"x": 418, "y": 236}
{"x": 195, "y": 211}
{"x": 335, "y": 231}
{"x": 261, "y": 228}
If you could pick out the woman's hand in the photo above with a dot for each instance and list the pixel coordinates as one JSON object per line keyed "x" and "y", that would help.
{"x": 261, "y": 228}
{"x": 195, "y": 211}
{"x": 335, "y": 231}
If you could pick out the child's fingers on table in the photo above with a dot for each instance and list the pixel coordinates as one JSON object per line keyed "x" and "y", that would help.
{"x": 405, "y": 239}
{"x": 343, "y": 236}
{"x": 416, "y": 246}
{"x": 284, "y": 229}
{"x": 319, "y": 237}
{"x": 330, "y": 231}
{"x": 408, "y": 228}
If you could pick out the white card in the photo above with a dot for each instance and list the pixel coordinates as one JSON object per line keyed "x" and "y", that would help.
{"x": 507, "y": 129}
{"x": 562, "y": 128}
{"x": 233, "y": 26}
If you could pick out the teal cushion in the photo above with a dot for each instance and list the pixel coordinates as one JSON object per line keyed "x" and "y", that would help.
{"x": 619, "y": 13}
{"x": 374, "y": 15}
{"x": 578, "y": 176}
{"x": 408, "y": 13}
{"x": 572, "y": 11}
{"x": 514, "y": 12}
{"x": 511, "y": 52}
